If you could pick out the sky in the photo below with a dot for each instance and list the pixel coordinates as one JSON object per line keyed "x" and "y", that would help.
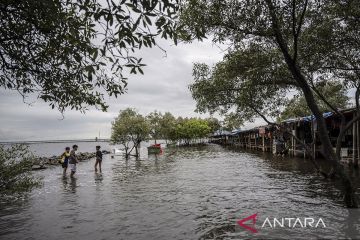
{"x": 163, "y": 87}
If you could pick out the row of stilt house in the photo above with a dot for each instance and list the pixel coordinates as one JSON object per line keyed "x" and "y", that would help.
{"x": 304, "y": 132}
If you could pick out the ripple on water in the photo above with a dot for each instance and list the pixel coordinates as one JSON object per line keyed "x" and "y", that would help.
{"x": 186, "y": 193}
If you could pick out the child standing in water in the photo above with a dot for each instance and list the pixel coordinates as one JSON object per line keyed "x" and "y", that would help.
{"x": 65, "y": 160}
{"x": 73, "y": 160}
{"x": 98, "y": 158}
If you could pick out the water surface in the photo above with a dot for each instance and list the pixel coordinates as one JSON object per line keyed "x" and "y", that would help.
{"x": 185, "y": 193}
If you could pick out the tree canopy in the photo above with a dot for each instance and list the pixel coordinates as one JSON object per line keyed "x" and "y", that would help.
{"x": 191, "y": 129}
{"x": 213, "y": 123}
{"x": 73, "y": 53}
{"x": 129, "y": 129}
{"x": 244, "y": 83}
{"x": 154, "y": 119}
{"x": 232, "y": 121}
{"x": 167, "y": 125}
{"x": 335, "y": 94}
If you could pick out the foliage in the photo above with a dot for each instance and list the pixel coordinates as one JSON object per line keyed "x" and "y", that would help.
{"x": 192, "y": 129}
{"x": 15, "y": 167}
{"x": 256, "y": 73}
{"x": 129, "y": 129}
{"x": 154, "y": 119}
{"x": 332, "y": 91}
{"x": 243, "y": 84}
{"x": 213, "y": 123}
{"x": 274, "y": 47}
{"x": 69, "y": 53}
{"x": 168, "y": 124}
{"x": 181, "y": 129}
{"x": 232, "y": 121}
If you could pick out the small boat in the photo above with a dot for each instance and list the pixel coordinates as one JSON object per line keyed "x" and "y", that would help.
{"x": 154, "y": 149}
{"x": 118, "y": 152}
{"x": 171, "y": 145}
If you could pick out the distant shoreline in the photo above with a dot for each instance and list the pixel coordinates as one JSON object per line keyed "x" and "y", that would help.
{"x": 55, "y": 141}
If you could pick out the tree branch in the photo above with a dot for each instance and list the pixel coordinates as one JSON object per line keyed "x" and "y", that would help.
{"x": 261, "y": 115}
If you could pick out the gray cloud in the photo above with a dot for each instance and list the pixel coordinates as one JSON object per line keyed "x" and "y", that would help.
{"x": 163, "y": 87}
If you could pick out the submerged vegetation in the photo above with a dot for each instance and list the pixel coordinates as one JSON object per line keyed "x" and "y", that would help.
{"x": 131, "y": 128}
{"x": 15, "y": 166}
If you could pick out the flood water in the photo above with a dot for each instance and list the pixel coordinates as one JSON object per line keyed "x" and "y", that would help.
{"x": 185, "y": 193}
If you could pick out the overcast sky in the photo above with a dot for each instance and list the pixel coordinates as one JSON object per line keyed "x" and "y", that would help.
{"x": 163, "y": 87}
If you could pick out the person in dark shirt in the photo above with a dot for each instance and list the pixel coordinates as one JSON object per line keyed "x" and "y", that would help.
{"x": 73, "y": 160}
{"x": 98, "y": 158}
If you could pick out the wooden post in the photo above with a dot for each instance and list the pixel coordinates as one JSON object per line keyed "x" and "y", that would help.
{"x": 356, "y": 162}
{"x": 304, "y": 149}
{"x": 314, "y": 141}
{"x": 263, "y": 143}
{"x": 255, "y": 135}
{"x": 354, "y": 143}
{"x": 294, "y": 140}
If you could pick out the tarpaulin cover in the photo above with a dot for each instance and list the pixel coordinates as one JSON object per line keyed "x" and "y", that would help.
{"x": 312, "y": 117}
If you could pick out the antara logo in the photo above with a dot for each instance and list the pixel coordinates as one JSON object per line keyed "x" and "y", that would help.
{"x": 287, "y": 222}
{"x": 253, "y": 218}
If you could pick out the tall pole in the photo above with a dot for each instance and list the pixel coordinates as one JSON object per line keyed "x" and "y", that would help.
{"x": 314, "y": 140}
{"x": 263, "y": 142}
{"x": 354, "y": 147}
{"x": 356, "y": 162}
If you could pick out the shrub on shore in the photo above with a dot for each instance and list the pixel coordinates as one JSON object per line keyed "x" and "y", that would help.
{"x": 15, "y": 170}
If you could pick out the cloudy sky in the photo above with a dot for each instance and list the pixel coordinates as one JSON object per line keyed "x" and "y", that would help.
{"x": 163, "y": 87}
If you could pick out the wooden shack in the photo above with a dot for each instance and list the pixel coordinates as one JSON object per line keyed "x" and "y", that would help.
{"x": 303, "y": 130}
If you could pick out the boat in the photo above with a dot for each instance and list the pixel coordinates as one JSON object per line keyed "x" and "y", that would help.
{"x": 171, "y": 145}
{"x": 154, "y": 149}
{"x": 118, "y": 152}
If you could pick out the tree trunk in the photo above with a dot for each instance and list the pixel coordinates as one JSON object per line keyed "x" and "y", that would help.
{"x": 328, "y": 152}
{"x": 136, "y": 151}
{"x": 340, "y": 137}
{"x": 127, "y": 152}
{"x": 354, "y": 130}
{"x": 357, "y": 95}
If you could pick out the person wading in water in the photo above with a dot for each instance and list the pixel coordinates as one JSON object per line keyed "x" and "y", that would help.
{"x": 73, "y": 160}
{"x": 98, "y": 158}
{"x": 65, "y": 160}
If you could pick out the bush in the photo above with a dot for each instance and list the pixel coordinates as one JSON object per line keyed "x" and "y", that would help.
{"x": 15, "y": 170}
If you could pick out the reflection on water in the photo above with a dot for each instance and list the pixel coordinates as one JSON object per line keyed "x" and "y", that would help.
{"x": 69, "y": 184}
{"x": 185, "y": 193}
{"x": 98, "y": 177}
